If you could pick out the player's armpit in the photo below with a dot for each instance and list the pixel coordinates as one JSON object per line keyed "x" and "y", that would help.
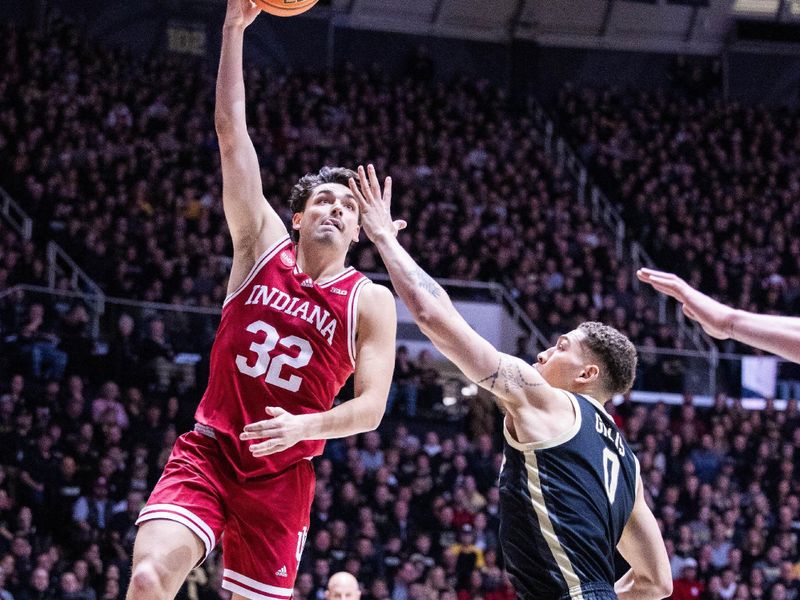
{"x": 641, "y": 544}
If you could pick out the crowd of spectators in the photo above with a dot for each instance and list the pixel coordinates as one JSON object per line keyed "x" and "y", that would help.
{"x": 708, "y": 187}
{"x": 21, "y": 261}
{"x": 115, "y": 157}
{"x": 411, "y": 509}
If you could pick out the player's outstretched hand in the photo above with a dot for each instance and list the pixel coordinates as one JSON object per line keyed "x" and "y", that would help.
{"x": 714, "y": 317}
{"x": 283, "y": 430}
{"x": 375, "y": 207}
{"x": 240, "y": 13}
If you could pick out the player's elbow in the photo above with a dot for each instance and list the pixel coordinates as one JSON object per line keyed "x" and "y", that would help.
{"x": 659, "y": 583}
{"x": 227, "y": 128}
{"x": 223, "y": 121}
{"x": 227, "y": 140}
{"x": 425, "y": 320}
{"x": 372, "y": 419}
{"x": 374, "y": 422}
{"x": 664, "y": 585}
{"x": 370, "y": 409}
{"x": 433, "y": 323}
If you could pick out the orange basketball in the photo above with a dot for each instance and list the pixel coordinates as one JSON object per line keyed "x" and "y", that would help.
{"x": 285, "y": 8}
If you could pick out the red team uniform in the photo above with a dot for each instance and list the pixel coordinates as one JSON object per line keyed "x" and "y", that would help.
{"x": 284, "y": 341}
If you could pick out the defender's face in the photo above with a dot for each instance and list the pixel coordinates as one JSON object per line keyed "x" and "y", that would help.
{"x": 562, "y": 364}
{"x": 331, "y": 215}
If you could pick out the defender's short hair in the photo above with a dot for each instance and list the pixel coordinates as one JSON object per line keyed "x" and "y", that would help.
{"x": 616, "y": 354}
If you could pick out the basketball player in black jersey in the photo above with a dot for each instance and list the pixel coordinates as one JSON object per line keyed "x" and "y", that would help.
{"x": 570, "y": 487}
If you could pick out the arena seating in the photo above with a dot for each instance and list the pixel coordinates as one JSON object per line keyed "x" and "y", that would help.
{"x": 117, "y": 161}
{"x": 709, "y": 181}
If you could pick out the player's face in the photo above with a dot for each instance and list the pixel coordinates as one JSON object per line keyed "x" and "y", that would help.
{"x": 330, "y": 216}
{"x": 564, "y": 364}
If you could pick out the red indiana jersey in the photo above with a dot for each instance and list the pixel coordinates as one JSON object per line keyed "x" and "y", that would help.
{"x": 283, "y": 341}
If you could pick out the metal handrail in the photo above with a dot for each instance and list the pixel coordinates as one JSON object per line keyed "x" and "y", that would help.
{"x": 78, "y": 279}
{"x": 602, "y": 209}
{"x": 640, "y": 258}
{"x": 712, "y": 358}
{"x": 216, "y": 311}
{"x": 15, "y": 216}
{"x": 142, "y": 304}
{"x": 521, "y": 316}
{"x": 499, "y": 292}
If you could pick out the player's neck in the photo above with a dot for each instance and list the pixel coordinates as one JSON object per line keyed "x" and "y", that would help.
{"x": 320, "y": 262}
{"x": 589, "y": 391}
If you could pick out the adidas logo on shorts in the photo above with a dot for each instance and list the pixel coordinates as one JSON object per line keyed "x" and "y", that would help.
{"x": 282, "y": 572}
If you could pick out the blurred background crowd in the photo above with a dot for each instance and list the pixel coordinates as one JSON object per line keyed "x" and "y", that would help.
{"x": 411, "y": 510}
{"x": 115, "y": 158}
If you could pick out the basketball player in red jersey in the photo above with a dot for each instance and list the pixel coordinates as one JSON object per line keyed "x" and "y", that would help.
{"x": 295, "y": 324}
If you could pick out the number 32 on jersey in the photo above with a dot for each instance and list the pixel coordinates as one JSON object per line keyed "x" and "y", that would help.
{"x": 272, "y": 365}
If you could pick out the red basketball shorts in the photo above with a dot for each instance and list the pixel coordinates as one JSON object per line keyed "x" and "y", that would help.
{"x": 264, "y": 521}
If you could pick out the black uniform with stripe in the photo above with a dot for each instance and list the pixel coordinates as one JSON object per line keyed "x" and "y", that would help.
{"x": 564, "y": 504}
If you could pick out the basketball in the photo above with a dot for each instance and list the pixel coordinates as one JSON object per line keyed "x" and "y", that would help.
{"x": 285, "y": 8}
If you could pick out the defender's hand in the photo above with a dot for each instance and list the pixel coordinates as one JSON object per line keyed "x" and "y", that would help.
{"x": 282, "y": 431}
{"x": 241, "y": 13}
{"x": 714, "y": 317}
{"x": 376, "y": 217}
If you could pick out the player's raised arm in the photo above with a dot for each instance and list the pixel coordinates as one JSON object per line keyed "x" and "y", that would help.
{"x": 650, "y": 575}
{"x": 510, "y": 379}
{"x": 776, "y": 334}
{"x": 253, "y": 224}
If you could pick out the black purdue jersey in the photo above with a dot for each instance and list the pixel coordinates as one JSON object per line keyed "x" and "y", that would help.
{"x": 564, "y": 504}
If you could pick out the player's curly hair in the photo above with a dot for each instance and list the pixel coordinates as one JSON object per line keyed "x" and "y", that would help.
{"x": 616, "y": 354}
{"x": 301, "y": 191}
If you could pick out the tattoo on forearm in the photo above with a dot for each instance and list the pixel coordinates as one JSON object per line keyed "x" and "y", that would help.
{"x": 511, "y": 376}
{"x": 427, "y": 283}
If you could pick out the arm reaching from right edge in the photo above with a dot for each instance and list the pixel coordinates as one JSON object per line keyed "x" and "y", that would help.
{"x": 650, "y": 575}
{"x": 253, "y": 223}
{"x": 776, "y": 334}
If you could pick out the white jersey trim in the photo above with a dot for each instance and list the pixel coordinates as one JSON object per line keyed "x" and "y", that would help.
{"x": 352, "y": 318}
{"x": 249, "y": 594}
{"x": 598, "y": 405}
{"x": 549, "y": 534}
{"x": 264, "y": 588}
{"x": 557, "y": 440}
{"x": 179, "y": 514}
{"x": 259, "y": 264}
{"x": 343, "y": 275}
